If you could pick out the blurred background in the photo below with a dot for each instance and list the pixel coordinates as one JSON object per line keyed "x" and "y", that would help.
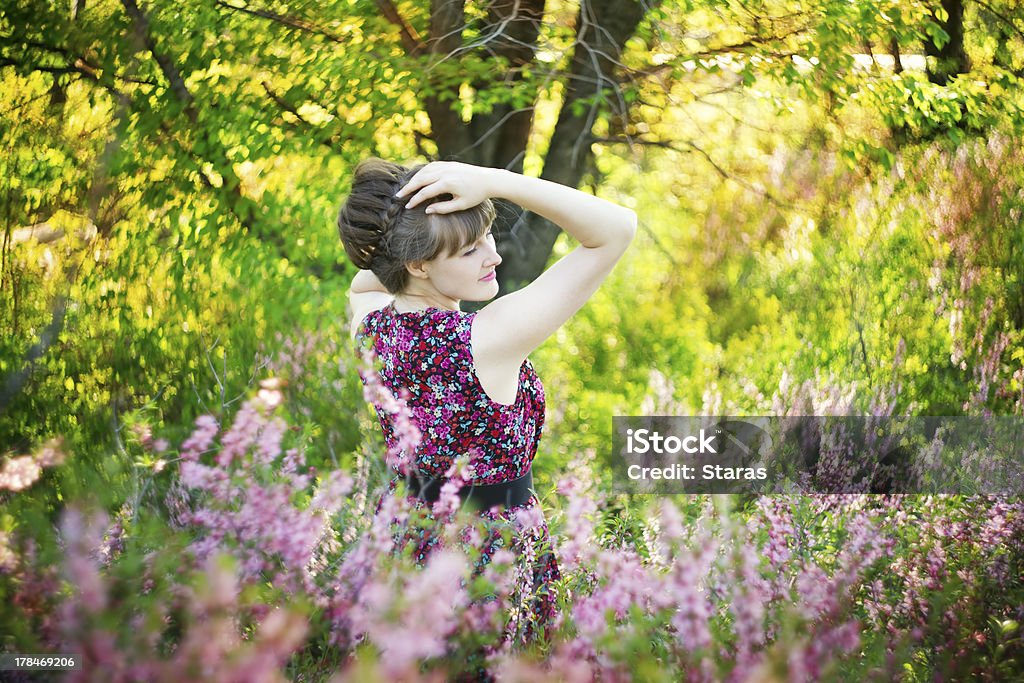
{"x": 830, "y": 201}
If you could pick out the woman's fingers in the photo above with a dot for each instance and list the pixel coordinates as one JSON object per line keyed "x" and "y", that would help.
{"x": 417, "y": 182}
{"x": 426, "y": 192}
{"x": 439, "y": 178}
{"x": 456, "y": 204}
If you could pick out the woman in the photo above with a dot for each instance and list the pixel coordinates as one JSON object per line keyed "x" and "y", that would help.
{"x": 422, "y": 237}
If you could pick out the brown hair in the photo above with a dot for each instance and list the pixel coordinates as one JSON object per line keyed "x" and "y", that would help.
{"x": 381, "y": 235}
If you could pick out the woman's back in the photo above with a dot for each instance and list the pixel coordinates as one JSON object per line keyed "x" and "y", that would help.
{"x": 425, "y": 358}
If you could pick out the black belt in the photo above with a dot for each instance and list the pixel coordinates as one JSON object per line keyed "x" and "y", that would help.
{"x": 476, "y": 496}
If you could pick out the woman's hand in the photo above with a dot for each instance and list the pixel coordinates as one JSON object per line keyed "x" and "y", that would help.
{"x": 468, "y": 185}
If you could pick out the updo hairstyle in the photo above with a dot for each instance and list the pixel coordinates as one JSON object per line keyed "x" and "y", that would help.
{"x": 381, "y": 235}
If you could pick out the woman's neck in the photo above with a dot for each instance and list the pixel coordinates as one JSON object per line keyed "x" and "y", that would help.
{"x": 413, "y": 301}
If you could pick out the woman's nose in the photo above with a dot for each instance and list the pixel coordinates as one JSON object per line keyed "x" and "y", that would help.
{"x": 494, "y": 258}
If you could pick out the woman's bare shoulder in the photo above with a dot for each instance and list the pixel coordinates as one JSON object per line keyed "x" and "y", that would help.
{"x": 363, "y": 304}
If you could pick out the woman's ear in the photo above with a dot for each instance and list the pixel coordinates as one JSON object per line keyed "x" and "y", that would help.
{"x": 418, "y": 269}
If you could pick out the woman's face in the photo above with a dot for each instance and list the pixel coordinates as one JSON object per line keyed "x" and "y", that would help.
{"x": 468, "y": 274}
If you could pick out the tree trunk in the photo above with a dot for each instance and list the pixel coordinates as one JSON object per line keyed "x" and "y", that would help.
{"x": 447, "y": 19}
{"x": 499, "y": 137}
{"x": 602, "y": 30}
{"x": 894, "y": 50}
{"x": 950, "y": 59}
{"x": 496, "y": 138}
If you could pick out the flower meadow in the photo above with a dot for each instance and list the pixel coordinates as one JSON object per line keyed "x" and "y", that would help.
{"x": 232, "y": 532}
{"x": 238, "y": 560}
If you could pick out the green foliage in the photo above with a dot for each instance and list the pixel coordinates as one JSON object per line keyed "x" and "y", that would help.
{"x": 808, "y": 215}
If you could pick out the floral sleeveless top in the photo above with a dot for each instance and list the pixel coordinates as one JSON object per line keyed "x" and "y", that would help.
{"x": 425, "y": 358}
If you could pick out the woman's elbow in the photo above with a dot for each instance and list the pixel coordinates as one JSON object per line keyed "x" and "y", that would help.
{"x": 629, "y": 226}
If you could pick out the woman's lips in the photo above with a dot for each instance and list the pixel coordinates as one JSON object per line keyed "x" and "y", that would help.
{"x": 490, "y": 276}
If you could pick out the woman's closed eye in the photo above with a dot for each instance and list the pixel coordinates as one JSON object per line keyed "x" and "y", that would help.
{"x": 471, "y": 251}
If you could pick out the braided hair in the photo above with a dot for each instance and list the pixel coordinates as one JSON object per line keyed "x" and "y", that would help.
{"x": 380, "y": 234}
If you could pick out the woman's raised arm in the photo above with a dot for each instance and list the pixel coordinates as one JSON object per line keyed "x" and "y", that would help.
{"x": 509, "y": 328}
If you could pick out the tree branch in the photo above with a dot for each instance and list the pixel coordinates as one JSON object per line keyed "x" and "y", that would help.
{"x": 327, "y": 141}
{"x": 55, "y": 69}
{"x": 291, "y": 22}
{"x": 756, "y": 42}
{"x": 1002, "y": 17}
{"x": 229, "y": 190}
{"x": 673, "y": 146}
{"x": 410, "y": 38}
{"x": 15, "y": 381}
{"x": 141, "y": 25}
{"x": 282, "y": 103}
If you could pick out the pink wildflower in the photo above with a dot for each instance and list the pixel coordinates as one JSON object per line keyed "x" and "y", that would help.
{"x": 51, "y": 453}
{"x": 19, "y": 473}
{"x": 201, "y": 438}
